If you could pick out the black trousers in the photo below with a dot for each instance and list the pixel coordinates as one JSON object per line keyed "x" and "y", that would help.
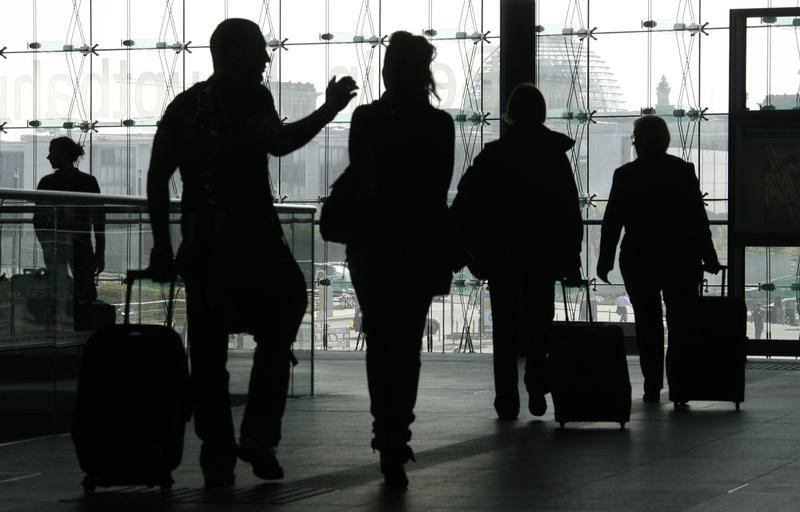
{"x": 522, "y": 309}
{"x": 74, "y": 251}
{"x": 645, "y": 288}
{"x": 394, "y": 322}
{"x": 269, "y": 376}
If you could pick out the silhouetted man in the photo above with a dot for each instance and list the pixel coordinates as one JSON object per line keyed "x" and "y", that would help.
{"x": 519, "y": 210}
{"x": 66, "y": 237}
{"x": 758, "y": 321}
{"x": 220, "y": 133}
{"x": 657, "y": 199}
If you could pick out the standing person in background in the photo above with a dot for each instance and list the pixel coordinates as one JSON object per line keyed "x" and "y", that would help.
{"x": 665, "y": 246}
{"x": 66, "y": 238}
{"x": 522, "y": 246}
{"x": 758, "y": 321}
{"x": 622, "y": 307}
{"x": 404, "y": 147}
{"x": 220, "y": 134}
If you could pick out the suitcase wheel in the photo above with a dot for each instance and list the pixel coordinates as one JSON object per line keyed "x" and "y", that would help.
{"x": 166, "y": 483}
{"x": 622, "y": 425}
{"x": 89, "y": 484}
{"x": 737, "y": 406}
{"x": 561, "y": 424}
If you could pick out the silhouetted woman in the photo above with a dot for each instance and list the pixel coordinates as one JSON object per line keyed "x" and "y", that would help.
{"x": 405, "y": 148}
{"x": 521, "y": 244}
{"x": 657, "y": 199}
{"x": 67, "y": 238}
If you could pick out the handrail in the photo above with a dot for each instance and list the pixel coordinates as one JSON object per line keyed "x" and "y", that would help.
{"x": 79, "y": 198}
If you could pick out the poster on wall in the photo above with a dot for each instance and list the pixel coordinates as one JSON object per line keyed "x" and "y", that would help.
{"x": 767, "y": 178}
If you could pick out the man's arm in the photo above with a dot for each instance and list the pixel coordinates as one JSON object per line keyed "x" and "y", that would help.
{"x": 282, "y": 139}
{"x": 163, "y": 163}
{"x": 700, "y": 220}
{"x": 98, "y": 219}
{"x": 573, "y": 224}
{"x": 610, "y": 230}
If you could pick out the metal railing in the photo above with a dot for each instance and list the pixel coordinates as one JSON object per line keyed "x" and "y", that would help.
{"x": 37, "y": 300}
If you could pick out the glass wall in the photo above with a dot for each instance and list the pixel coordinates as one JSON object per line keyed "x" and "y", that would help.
{"x": 102, "y": 72}
{"x": 603, "y": 63}
{"x": 44, "y": 323}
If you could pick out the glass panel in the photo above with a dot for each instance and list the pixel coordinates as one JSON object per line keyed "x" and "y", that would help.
{"x": 772, "y": 86}
{"x": 62, "y": 89}
{"x": 201, "y": 22}
{"x": 713, "y": 167}
{"x": 304, "y": 22}
{"x": 410, "y": 15}
{"x": 155, "y": 21}
{"x": 153, "y": 83}
{"x": 620, "y": 61}
{"x": 556, "y": 15}
{"x": 488, "y": 82}
{"x": 626, "y": 15}
{"x": 17, "y": 100}
{"x": 609, "y": 148}
{"x": 714, "y": 71}
{"x": 16, "y": 25}
{"x": 120, "y": 159}
{"x": 491, "y": 18}
{"x": 772, "y": 292}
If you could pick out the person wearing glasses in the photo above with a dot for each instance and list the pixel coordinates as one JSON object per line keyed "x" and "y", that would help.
{"x": 657, "y": 200}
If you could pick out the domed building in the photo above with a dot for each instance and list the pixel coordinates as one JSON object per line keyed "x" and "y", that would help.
{"x": 555, "y": 67}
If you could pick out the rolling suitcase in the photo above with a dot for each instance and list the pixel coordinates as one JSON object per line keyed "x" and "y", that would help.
{"x": 589, "y": 371}
{"x": 132, "y": 402}
{"x": 92, "y": 315}
{"x": 711, "y": 365}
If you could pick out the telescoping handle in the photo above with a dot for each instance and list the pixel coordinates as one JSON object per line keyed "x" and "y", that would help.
{"x": 584, "y": 283}
{"x": 724, "y": 269}
{"x": 134, "y": 275}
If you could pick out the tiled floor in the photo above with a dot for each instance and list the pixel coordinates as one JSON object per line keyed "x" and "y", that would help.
{"x": 705, "y": 458}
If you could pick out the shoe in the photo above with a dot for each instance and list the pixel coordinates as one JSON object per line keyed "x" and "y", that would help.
{"x": 537, "y": 404}
{"x": 393, "y": 467}
{"x": 216, "y": 480}
{"x": 651, "y": 397}
{"x": 265, "y": 463}
{"x": 217, "y": 465}
{"x": 507, "y": 410}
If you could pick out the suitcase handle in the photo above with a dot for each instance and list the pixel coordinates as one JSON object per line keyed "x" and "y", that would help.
{"x": 136, "y": 275}
{"x": 584, "y": 283}
{"x": 724, "y": 269}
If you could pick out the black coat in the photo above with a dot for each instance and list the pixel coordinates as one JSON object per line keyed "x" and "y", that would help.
{"x": 405, "y": 148}
{"x": 657, "y": 199}
{"x": 518, "y": 206}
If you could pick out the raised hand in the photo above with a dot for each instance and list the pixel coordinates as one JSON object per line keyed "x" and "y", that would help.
{"x": 339, "y": 93}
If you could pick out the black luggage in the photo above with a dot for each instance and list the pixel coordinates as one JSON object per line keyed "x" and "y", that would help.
{"x": 132, "y": 402}
{"x": 93, "y": 315}
{"x": 710, "y": 365}
{"x": 589, "y": 371}
{"x": 42, "y": 301}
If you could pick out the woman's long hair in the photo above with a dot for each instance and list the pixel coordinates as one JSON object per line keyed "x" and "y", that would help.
{"x": 407, "y": 64}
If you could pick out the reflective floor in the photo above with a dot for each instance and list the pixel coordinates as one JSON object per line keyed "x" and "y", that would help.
{"x": 707, "y": 457}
